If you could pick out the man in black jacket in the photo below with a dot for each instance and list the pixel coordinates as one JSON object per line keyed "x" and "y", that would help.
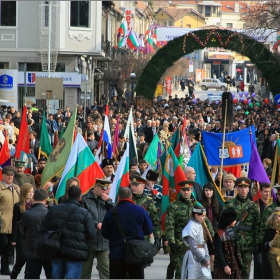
{"x": 98, "y": 203}
{"x": 30, "y": 225}
{"x": 77, "y": 235}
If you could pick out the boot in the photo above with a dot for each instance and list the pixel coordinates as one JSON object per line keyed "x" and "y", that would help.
{"x": 12, "y": 256}
{"x": 170, "y": 271}
{"x": 5, "y": 271}
{"x": 14, "y": 274}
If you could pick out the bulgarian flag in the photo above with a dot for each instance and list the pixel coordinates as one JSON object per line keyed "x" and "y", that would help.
{"x": 123, "y": 28}
{"x": 172, "y": 175}
{"x": 121, "y": 176}
{"x": 132, "y": 40}
{"x": 81, "y": 164}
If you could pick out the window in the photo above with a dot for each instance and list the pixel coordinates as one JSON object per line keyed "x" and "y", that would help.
{"x": 35, "y": 67}
{"x": 229, "y": 25}
{"x": 8, "y": 13}
{"x": 188, "y": 25}
{"x": 4, "y": 65}
{"x": 165, "y": 23}
{"x": 79, "y": 14}
{"x": 214, "y": 10}
{"x": 46, "y": 16}
{"x": 60, "y": 67}
{"x": 208, "y": 11}
{"x": 170, "y": 23}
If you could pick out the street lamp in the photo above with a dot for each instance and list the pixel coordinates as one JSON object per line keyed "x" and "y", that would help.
{"x": 132, "y": 78}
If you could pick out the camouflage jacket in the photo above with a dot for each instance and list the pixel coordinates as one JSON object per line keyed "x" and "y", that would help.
{"x": 267, "y": 212}
{"x": 149, "y": 205}
{"x": 178, "y": 214}
{"x": 246, "y": 240}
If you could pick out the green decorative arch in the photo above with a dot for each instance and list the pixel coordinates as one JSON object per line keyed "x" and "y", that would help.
{"x": 266, "y": 61}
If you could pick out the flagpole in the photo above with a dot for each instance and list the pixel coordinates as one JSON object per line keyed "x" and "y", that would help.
{"x": 227, "y": 113}
{"x": 223, "y": 146}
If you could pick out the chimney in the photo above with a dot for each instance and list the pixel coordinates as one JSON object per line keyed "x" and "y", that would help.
{"x": 236, "y": 7}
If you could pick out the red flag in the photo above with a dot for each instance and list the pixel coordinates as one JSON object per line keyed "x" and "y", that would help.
{"x": 23, "y": 139}
{"x": 107, "y": 110}
{"x": 234, "y": 170}
{"x": 4, "y": 153}
{"x": 55, "y": 141}
{"x": 116, "y": 139}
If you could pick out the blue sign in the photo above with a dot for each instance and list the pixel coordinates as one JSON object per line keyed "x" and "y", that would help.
{"x": 277, "y": 99}
{"x": 6, "y": 81}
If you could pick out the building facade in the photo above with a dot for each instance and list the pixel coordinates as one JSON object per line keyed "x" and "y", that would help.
{"x": 76, "y": 43}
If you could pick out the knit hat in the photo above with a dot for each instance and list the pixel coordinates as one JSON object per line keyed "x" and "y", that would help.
{"x": 227, "y": 217}
{"x": 229, "y": 177}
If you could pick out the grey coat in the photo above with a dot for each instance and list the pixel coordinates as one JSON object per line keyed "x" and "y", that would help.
{"x": 98, "y": 208}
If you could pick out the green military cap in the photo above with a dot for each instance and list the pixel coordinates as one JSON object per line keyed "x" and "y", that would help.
{"x": 186, "y": 184}
{"x": 136, "y": 179}
{"x": 19, "y": 163}
{"x": 8, "y": 170}
{"x": 243, "y": 181}
{"x": 103, "y": 183}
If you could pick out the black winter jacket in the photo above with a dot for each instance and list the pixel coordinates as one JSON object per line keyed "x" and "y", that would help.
{"x": 98, "y": 208}
{"x": 30, "y": 226}
{"x": 78, "y": 233}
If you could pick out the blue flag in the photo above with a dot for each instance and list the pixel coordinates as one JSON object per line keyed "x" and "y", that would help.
{"x": 237, "y": 148}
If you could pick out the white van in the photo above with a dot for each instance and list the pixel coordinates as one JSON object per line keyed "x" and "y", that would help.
{"x": 212, "y": 83}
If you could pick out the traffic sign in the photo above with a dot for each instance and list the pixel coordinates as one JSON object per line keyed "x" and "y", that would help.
{"x": 191, "y": 66}
{"x": 85, "y": 86}
{"x": 277, "y": 99}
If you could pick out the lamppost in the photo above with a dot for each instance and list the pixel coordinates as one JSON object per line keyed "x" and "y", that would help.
{"x": 132, "y": 78}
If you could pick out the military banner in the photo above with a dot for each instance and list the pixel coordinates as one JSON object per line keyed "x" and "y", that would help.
{"x": 237, "y": 149}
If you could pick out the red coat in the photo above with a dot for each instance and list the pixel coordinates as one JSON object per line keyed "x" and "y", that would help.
{"x": 242, "y": 86}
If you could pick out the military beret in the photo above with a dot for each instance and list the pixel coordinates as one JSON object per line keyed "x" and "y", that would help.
{"x": 152, "y": 175}
{"x": 243, "y": 181}
{"x": 103, "y": 183}
{"x": 136, "y": 179}
{"x": 229, "y": 177}
{"x": 186, "y": 184}
{"x": 106, "y": 162}
{"x": 8, "y": 170}
{"x": 19, "y": 163}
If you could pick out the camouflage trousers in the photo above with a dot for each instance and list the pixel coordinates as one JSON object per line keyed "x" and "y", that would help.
{"x": 246, "y": 263}
{"x": 177, "y": 260}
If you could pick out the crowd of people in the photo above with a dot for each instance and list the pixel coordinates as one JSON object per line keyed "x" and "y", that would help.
{"x": 204, "y": 237}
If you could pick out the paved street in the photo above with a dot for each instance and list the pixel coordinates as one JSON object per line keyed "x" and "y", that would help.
{"x": 156, "y": 271}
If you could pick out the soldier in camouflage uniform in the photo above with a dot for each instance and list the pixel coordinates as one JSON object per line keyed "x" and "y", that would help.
{"x": 248, "y": 224}
{"x": 137, "y": 186}
{"x": 178, "y": 214}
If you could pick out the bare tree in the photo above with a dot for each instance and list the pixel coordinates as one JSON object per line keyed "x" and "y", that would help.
{"x": 118, "y": 70}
